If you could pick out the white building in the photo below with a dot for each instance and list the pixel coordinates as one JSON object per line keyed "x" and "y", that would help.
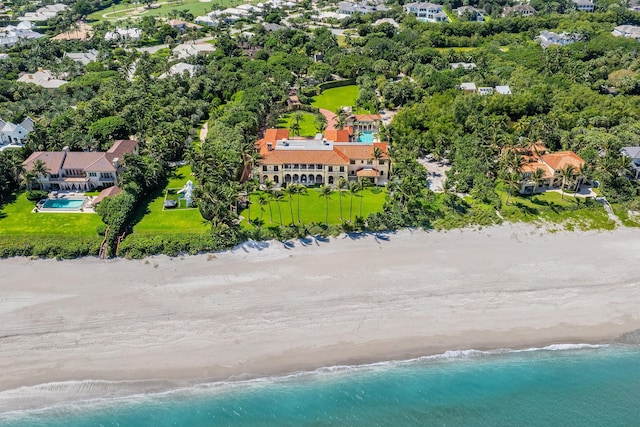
{"x": 349, "y": 8}
{"x": 548, "y": 38}
{"x": 14, "y": 34}
{"x": 183, "y": 51}
{"x": 179, "y": 69}
{"x": 426, "y": 12}
{"x": 519, "y": 10}
{"x": 503, "y": 90}
{"x": 477, "y": 14}
{"x": 628, "y": 31}
{"x": 83, "y": 57}
{"x": 464, "y": 65}
{"x": 15, "y": 135}
{"x": 42, "y": 78}
{"x": 44, "y": 13}
{"x": 123, "y": 33}
{"x": 584, "y": 5}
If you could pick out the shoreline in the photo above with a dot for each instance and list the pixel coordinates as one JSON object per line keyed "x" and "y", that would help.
{"x": 265, "y": 309}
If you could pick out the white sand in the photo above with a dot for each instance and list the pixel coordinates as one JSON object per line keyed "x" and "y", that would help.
{"x": 164, "y": 322}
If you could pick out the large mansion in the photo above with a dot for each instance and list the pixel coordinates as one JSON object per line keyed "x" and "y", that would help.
{"x": 552, "y": 165}
{"x": 14, "y": 135}
{"x": 80, "y": 170}
{"x": 323, "y": 159}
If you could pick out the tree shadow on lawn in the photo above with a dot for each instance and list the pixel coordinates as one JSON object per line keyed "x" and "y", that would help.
{"x": 7, "y": 200}
{"x": 528, "y": 210}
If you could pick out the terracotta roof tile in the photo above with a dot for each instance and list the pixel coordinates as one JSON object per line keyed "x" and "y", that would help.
{"x": 368, "y": 172}
{"x": 561, "y": 159}
{"x": 324, "y": 157}
{"x": 52, "y": 160}
{"x": 337, "y": 135}
{"x": 368, "y": 117}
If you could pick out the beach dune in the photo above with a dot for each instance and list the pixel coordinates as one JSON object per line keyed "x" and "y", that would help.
{"x": 91, "y": 328}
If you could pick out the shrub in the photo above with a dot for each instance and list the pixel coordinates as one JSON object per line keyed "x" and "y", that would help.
{"x": 35, "y": 195}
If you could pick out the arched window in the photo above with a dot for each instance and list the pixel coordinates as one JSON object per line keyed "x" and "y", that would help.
{"x": 318, "y": 179}
{"x": 287, "y": 178}
{"x": 330, "y": 180}
{"x": 275, "y": 178}
{"x": 265, "y": 178}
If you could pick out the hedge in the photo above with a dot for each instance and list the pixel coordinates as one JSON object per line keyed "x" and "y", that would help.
{"x": 140, "y": 246}
{"x": 59, "y": 247}
{"x": 335, "y": 83}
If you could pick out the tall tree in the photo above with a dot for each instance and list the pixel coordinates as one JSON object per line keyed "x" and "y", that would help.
{"x": 325, "y": 191}
{"x": 340, "y": 186}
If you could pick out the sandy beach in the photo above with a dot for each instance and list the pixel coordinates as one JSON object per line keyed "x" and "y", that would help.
{"x": 89, "y": 328}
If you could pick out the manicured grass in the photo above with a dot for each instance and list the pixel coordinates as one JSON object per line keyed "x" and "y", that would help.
{"x": 152, "y": 219}
{"x": 122, "y": 10}
{"x": 332, "y": 99}
{"x": 307, "y": 126}
{"x": 16, "y": 218}
{"x": 622, "y": 212}
{"x": 313, "y": 207}
{"x": 570, "y": 212}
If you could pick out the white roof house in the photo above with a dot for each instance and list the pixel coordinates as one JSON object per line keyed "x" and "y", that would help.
{"x": 465, "y": 65}
{"x": 44, "y": 13}
{"x": 584, "y": 5}
{"x": 548, "y": 38}
{"x": 183, "y": 51}
{"x": 468, "y": 86}
{"x": 179, "y": 69}
{"x": 485, "y": 90}
{"x": 124, "y": 33}
{"x": 83, "y": 57}
{"x": 14, "y": 135}
{"x": 478, "y": 14}
{"x": 503, "y": 90}
{"x": 42, "y": 78}
{"x": 426, "y": 12}
{"x": 12, "y": 35}
{"x": 628, "y": 31}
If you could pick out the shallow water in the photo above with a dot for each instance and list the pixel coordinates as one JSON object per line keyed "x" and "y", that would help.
{"x": 554, "y": 386}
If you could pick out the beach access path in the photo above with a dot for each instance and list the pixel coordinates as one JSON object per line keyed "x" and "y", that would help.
{"x": 76, "y": 329}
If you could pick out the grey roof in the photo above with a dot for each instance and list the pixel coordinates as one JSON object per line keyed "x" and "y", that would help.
{"x": 83, "y": 57}
{"x": 633, "y": 152}
{"x": 27, "y": 124}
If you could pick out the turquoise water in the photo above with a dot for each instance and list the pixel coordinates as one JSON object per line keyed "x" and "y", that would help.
{"x": 62, "y": 204}
{"x": 546, "y": 387}
{"x": 366, "y": 137}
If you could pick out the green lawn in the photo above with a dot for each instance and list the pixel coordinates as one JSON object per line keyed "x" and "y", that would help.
{"x": 17, "y": 219}
{"x": 307, "y": 126}
{"x": 332, "y": 99}
{"x": 570, "y": 212}
{"x": 313, "y": 207}
{"x": 152, "y": 219}
{"x": 124, "y": 10}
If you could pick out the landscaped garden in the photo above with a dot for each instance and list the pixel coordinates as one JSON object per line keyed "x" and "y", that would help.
{"x": 164, "y": 7}
{"x": 312, "y": 207}
{"x": 152, "y": 218}
{"x": 307, "y": 126}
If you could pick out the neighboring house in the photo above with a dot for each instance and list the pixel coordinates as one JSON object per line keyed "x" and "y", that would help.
{"x": 634, "y": 156}
{"x": 364, "y": 123}
{"x": 83, "y": 57}
{"x": 181, "y": 25}
{"x": 349, "y": 8}
{"x": 318, "y": 160}
{"x": 485, "y": 91}
{"x": 426, "y": 12}
{"x": 552, "y": 165}
{"x": 584, "y": 5}
{"x": 11, "y": 35}
{"x": 548, "y": 38}
{"x": 80, "y": 170}
{"x": 179, "y": 69}
{"x": 465, "y": 65}
{"x": 628, "y": 31}
{"x": 44, "y": 13}
{"x": 468, "y": 87}
{"x": 503, "y": 90}
{"x": 476, "y": 14}
{"x": 15, "y": 135}
{"x": 123, "y": 34}
{"x": 272, "y": 27}
{"x": 519, "y": 10}
{"x": 183, "y": 51}
{"x": 42, "y": 78}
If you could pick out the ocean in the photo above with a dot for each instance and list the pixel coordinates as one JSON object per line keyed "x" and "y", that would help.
{"x": 562, "y": 385}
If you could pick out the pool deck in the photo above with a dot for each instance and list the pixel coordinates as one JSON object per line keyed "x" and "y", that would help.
{"x": 62, "y": 195}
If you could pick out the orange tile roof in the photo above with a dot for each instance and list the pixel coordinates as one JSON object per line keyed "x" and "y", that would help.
{"x": 51, "y": 159}
{"x": 562, "y": 159}
{"x": 368, "y": 172}
{"x": 109, "y": 191}
{"x": 337, "y": 135}
{"x": 272, "y": 136}
{"x": 368, "y": 117}
{"x": 532, "y": 166}
{"x": 359, "y": 151}
{"x": 324, "y": 157}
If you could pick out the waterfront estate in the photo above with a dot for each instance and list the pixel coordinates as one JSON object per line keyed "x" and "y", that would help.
{"x": 79, "y": 170}
{"x": 561, "y": 169}
{"x": 323, "y": 159}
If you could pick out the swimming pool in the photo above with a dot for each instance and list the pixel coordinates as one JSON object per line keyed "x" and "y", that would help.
{"x": 67, "y": 204}
{"x": 365, "y": 137}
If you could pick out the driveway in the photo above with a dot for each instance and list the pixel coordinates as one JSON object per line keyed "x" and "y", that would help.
{"x": 435, "y": 174}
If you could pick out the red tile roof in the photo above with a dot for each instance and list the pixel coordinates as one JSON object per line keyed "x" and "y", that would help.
{"x": 110, "y": 191}
{"x": 52, "y": 160}
{"x": 368, "y": 117}
{"x": 368, "y": 172}
{"x": 562, "y": 159}
{"x": 324, "y": 157}
{"x": 338, "y": 135}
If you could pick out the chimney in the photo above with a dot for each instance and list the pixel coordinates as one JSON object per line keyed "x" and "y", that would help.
{"x": 269, "y": 146}
{"x": 116, "y": 162}
{"x": 65, "y": 148}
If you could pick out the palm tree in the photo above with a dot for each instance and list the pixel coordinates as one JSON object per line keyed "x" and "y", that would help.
{"x": 354, "y": 188}
{"x": 40, "y": 169}
{"x": 325, "y": 191}
{"x": 567, "y": 175}
{"x": 320, "y": 122}
{"x": 362, "y": 183}
{"x": 300, "y": 189}
{"x": 268, "y": 188}
{"x": 278, "y": 195}
{"x": 341, "y": 185}
{"x": 262, "y": 200}
{"x": 537, "y": 176}
{"x": 297, "y": 117}
{"x": 512, "y": 181}
{"x": 290, "y": 191}
{"x": 28, "y": 179}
